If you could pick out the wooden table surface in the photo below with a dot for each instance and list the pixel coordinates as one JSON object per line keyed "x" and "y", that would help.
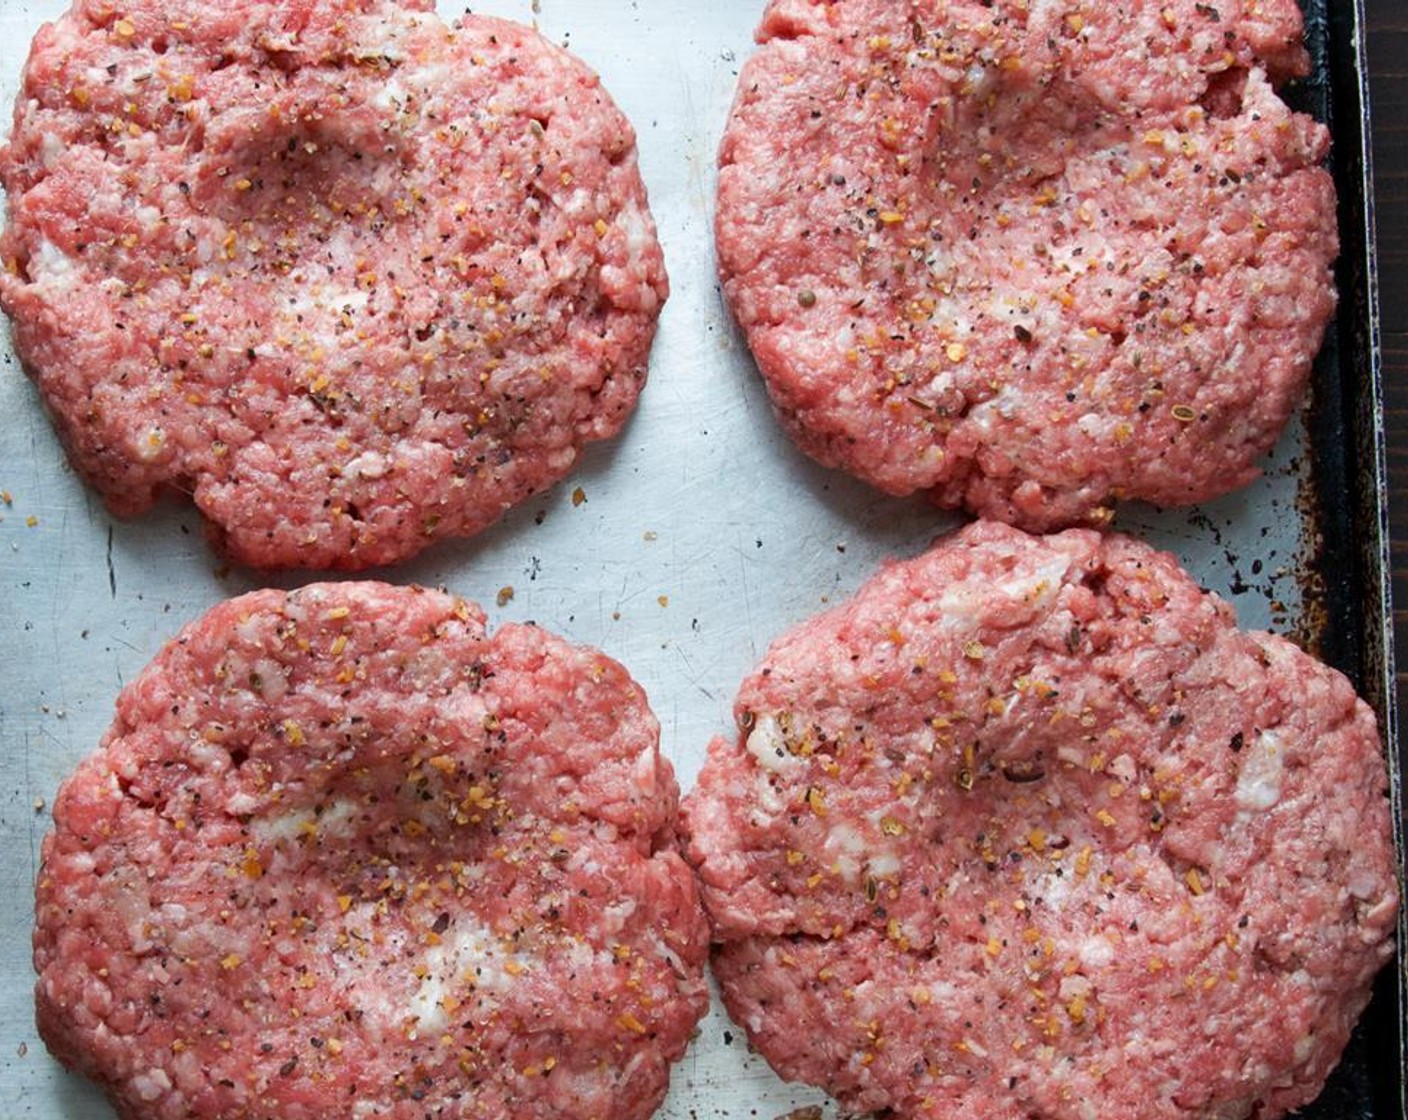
{"x": 1388, "y": 77}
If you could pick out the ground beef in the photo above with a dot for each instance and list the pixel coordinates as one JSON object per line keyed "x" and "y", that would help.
{"x": 1028, "y": 829}
{"x": 343, "y": 855}
{"x": 1029, "y": 258}
{"x": 354, "y": 280}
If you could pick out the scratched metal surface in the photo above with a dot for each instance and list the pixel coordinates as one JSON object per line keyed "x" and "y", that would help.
{"x": 703, "y": 534}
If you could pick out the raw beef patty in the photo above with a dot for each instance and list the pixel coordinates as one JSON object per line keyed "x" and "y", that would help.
{"x": 1030, "y": 259}
{"x": 353, "y": 279}
{"x": 1029, "y": 829}
{"x": 343, "y": 855}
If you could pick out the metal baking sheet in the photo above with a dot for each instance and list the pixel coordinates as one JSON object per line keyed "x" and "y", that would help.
{"x": 703, "y": 533}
